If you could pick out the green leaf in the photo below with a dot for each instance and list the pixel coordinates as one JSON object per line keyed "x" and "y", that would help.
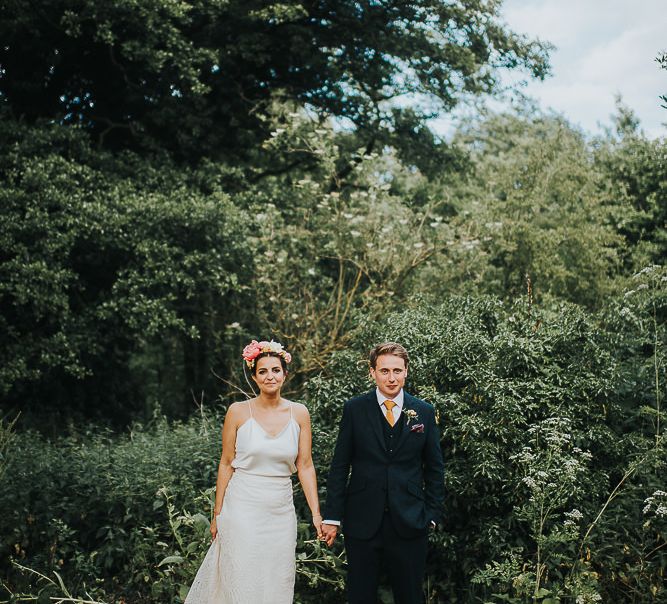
{"x": 202, "y": 520}
{"x": 171, "y": 560}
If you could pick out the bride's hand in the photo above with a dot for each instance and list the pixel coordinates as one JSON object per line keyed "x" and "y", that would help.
{"x": 317, "y": 523}
{"x": 214, "y": 527}
{"x": 329, "y": 532}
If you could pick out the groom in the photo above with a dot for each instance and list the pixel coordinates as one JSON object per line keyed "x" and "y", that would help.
{"x": 391, "y": 443}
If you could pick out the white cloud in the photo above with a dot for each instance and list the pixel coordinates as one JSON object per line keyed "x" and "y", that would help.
{"x": 604, "y": 48}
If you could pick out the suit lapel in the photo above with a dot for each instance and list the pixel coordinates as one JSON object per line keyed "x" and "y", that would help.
{"x": 407, "y": 404}
{"x": 374, "y": 418}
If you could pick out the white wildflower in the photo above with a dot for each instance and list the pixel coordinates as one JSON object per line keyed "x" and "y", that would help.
{"x": 530, "y": 482}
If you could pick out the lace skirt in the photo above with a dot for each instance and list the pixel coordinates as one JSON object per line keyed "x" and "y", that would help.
{"x": 252, "y": 559}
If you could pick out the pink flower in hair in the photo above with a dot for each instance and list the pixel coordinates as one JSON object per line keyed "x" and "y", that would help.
{"x": 255, "y": 348}
{"x": 251, "y": 352}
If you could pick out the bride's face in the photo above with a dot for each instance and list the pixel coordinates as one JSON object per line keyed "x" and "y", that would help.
{"x": 269, "y": 375}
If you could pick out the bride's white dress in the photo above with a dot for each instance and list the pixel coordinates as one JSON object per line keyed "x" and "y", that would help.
{"x": 252, "y": 559}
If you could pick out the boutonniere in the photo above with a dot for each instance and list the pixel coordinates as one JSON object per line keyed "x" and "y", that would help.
{"x": 418, "y": 428}
{"x": 410, "y": 414}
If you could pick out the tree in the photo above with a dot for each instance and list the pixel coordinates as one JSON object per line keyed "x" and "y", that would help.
{"x": 328, "y": 253}
{"x": 531, "y": 208}
{"x": 110, "y": 285}
{"x": 195, "y": 77}
{"x": 662, "y": 61}
{"x": 635, "y": 169}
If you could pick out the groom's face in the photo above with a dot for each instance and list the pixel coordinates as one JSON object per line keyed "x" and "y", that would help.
{"x": 389, "y": 374}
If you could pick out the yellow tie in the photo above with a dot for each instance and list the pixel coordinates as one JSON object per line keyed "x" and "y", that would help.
{"x": 389, "y": 414}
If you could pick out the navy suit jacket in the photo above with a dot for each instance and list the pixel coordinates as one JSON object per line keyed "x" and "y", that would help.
{"x": 409, "y": 480}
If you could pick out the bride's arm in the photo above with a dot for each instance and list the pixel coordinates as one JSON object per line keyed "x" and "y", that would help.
{"x": 225, "y": 469}
{"x": 305, "y": 467}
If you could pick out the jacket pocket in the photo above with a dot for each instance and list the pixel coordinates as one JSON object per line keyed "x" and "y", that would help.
{"x": 416, "y": 490}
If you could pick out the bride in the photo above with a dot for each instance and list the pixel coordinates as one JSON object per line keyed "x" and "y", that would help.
{"x": 264, "y": 441}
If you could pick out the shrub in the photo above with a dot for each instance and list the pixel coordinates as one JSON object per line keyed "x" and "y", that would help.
{"x": 548, "y": 466}
{"x": 554, "y": 466}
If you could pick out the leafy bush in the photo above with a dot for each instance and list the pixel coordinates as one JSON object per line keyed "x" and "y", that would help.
{"x": 548, "y": 466}
{"x": 98, "y": 507}
{"x": 554, "y": 473}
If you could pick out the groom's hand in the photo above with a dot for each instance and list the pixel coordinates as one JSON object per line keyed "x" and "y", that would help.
{"x": 329, "y": 532}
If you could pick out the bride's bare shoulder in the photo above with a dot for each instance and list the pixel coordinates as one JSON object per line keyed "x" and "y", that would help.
{"x": 238, "y": 411}
{"x": 300, "y": 411}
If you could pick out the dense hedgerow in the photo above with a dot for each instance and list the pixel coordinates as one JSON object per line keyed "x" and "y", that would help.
{"x": 554, "y": 468}
{"x": 93, "y": 505}
{"x": 554, "y": 475}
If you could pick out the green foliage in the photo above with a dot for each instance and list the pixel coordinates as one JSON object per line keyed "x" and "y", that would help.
{"x": 194, "y": 78}
{"x": 328, "y": 253}
{"x": 96, "y": 268}
{"x": 635, "y": 327}
{"x": 101, "y": 508}
{"x": 127, "y": 280}
{"x": 533, "y": 207}
{"x": 636, "y": 175}
{"x": 549, "y": 464}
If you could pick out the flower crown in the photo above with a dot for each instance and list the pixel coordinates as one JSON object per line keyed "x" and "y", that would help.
{"x": 255, "y": 348}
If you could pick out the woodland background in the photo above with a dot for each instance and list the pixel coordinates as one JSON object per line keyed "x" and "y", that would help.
{"x": 180, "y": 177}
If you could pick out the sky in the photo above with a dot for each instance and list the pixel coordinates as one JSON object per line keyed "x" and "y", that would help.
{"x": 603, "y": 48}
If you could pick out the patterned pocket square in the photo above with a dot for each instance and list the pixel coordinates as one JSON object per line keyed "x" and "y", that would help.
{"x": 417, "y": 428}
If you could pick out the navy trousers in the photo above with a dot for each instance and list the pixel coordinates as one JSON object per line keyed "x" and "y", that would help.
{"x": 402, "y": 560}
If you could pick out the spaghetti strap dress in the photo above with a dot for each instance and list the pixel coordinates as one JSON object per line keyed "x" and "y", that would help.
{"x": 252, "y": 558}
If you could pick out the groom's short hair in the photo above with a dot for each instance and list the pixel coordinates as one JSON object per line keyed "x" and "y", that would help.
{"x": 387, "y": 348}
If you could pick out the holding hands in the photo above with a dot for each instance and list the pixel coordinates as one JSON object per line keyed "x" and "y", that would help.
{"x": 328, "y": 533}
